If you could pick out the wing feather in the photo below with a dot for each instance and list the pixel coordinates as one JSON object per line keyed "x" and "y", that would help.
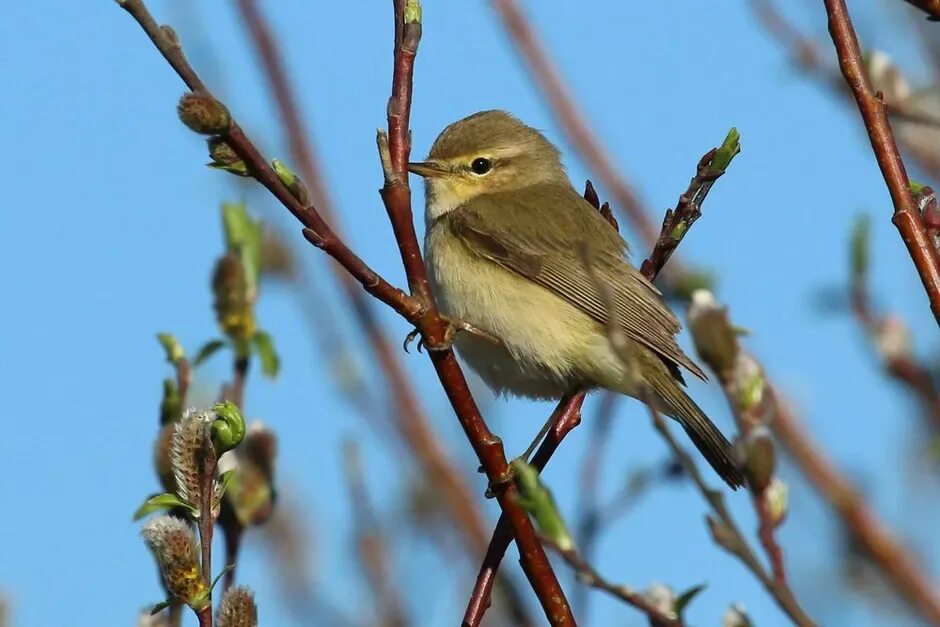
{"x": 508, "y": 229}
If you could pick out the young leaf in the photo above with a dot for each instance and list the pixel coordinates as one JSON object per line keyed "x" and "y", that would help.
{"x": 161, "y": 502}
{"x": 207, "y": 350}
{"x": 243, "y": 236}
{"x": 686, "y": 597}
{"x": 174, "y": 351}
{"x": 264, "y": 347}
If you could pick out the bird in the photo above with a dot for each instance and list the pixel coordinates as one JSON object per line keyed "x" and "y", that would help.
{"x": 543, "y": 282}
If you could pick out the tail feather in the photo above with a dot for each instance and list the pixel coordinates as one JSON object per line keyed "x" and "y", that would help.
{"x": 706, "y": 437}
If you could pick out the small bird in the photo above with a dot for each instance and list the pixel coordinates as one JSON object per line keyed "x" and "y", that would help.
{"x": 516, "y": 254}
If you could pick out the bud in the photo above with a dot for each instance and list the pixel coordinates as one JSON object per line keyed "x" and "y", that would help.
{"x": 663, "y": 598}
{"x": 747, "y": 383}
{"x": 536, "y": 499}
{"x": 250, "y": 492}
{"x": 238, "y": 609}
{"x": 759, "y": 458}
{"x": 190, "y": 449}
{"x": 776, "y": 497}
{"x": 893, "y": 339}
{"x": 203, "y": 114}
{"x": 224, "y": 157}
{"x": 233, "y": 305}
{"x": 172, "y": 403}
{"x": 723, "y": 535}
{"x": 736, "y": 616}
{"x": 174, "y": 547}
{"x": 292, "y": 182}
{"x": 715, "y": 339}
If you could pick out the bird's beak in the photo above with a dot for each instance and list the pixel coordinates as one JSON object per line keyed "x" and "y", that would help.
{"x": 427, "y": 169}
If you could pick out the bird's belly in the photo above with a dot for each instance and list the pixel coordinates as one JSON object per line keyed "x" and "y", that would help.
{"x": 543, "y": 337}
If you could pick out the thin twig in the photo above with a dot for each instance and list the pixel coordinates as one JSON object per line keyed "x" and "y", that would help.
{"x": 589, "y": 522}
{"x": 888, "y": 336}
{"x": 726, "y": 532}
{"x": 806, "y": 55}
{"x": 587, "y": 575}
{"x": 412, "y": 420}
{"x": 489, "y": 449}
{"x": 871, "y": 106}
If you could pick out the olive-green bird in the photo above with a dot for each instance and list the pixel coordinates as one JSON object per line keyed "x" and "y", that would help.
{"x": 514, "y": 251}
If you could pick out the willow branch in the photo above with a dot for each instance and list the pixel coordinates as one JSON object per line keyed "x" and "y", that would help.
{"x": 420, "y": 309}
{"x": 411, "y": 418}
{"x": 906, "y": 218}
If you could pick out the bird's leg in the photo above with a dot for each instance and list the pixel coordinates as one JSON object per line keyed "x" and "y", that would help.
{"x": 452, "y": 327}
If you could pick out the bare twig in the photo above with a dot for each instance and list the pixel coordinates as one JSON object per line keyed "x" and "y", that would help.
{"x": 572, "y": 120}
{"x": 590, "y": 577}
{"x": 906, "y": 216}
{"x": 725, "y": 530}
{"x": 806, "y": 55}
{"x": 420, "y": 310}
{"x": 411, "y": 418}
{"x": 888, "y": 335}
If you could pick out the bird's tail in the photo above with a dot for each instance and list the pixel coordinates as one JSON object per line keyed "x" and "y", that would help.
{"x": 704, "y": 434}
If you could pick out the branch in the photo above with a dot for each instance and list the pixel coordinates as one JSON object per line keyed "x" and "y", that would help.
{"x": 899, "y": 567}
{"x": 412, "y": 420}
{"x": 420, "y": 310}
{"x": 806, "y": 55}
{"x": 930, "y": 7}
{"x": 888, "y": 334}
{"x": 590, "y": 577}
{"x": 394, "y": 150}
{"x": 906, "y": 216}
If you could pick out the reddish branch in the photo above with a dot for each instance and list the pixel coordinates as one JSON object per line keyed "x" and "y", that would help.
{"x": 420, "y": 309}
{"x": 805, "y": 54}
{"x": 412, "y": 421}
{"x": 906, "y": 216}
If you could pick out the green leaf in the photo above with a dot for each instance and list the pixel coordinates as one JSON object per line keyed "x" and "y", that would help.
{"x": 686, "y": 597}
{"x": 207, "y": 350}
{"x": 228, "y": 430}
{"x": 159, "y": 607}
{"x": 726, "y": 152}
{"x": 264, "y": 347}
{"x": 536, "y": 499}
{"x": 243, "y": 237}
{"x": 860, "y": 246}
{"x": 224, "y": 479}
{"x": 161, "y": 502}
{"x": 238, "y": 168}
{"x": 172, "y": 405}
{"x": 916, "y": 188}
{"x": 219, "y": 576}
{"x": 174, "y": 351}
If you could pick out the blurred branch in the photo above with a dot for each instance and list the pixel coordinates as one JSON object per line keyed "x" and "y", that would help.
{"x": 394, "y": 150}
{"x": 420, "y": 309}
{"x": 906, "y": 218}
{"x": 590, "y": 577}
{"x": 749, "y": 378}
{"x": 930, "y": 7}
{"x": 727, "y": 534}
{"x": 888, "y": 334}
{"x": 371, "y": 542}
{"x": 587, "y": 527}
{"x": 806, "y": 55}
{"x": 571, "y": 120}
{"x": 411, "y": 419}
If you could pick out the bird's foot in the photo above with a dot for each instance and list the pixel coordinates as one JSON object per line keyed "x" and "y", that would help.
{"x": 452, "y": 326}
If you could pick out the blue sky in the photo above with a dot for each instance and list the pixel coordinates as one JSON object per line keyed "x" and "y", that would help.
{"x": 110, "y": 225}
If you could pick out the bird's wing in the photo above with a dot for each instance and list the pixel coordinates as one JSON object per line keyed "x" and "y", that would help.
{"x": 514, "y": 231}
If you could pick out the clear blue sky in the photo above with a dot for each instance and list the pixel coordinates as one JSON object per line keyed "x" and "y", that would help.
{"x": 109, "y": 227}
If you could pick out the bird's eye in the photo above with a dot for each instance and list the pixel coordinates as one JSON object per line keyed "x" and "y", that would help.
{"x": 481, "y": 166}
